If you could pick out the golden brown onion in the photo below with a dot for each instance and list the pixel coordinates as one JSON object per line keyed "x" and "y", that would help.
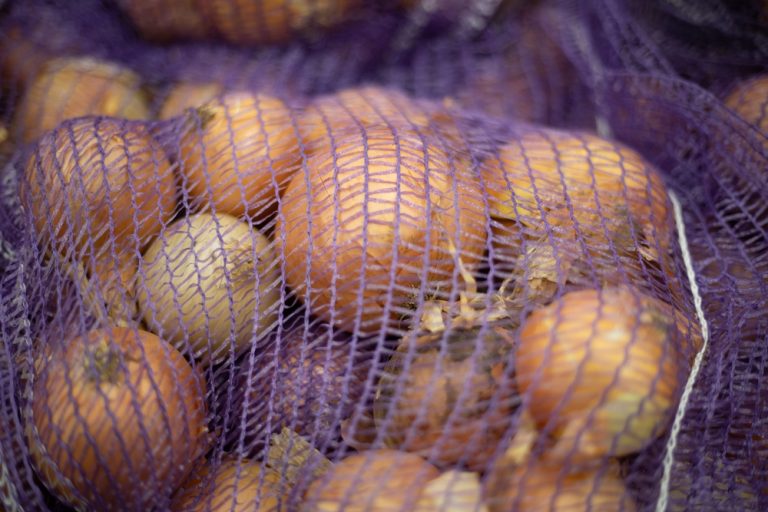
{"x": 242, "y": 155}
{"x": 233, "y": 486}
{"x": 374, "y": 480}
{"x": 75, "y": 87}
{"x": 602, "y": 369}
{"x": 749, "y": 99}
{"x": 379, "y": 206}
{"x": 120, "y": 416}
{"x": 184, "y": 95}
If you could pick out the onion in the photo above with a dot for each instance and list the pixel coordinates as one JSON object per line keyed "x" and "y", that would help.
{"x": 242, "y": 155}
{"x": 118, "y": 419}
{"x": 602, "y": 369}
{"x": 374, "y": 480}
{"x": 749, "y": 99}
{"x": 209, "y": 282}
{"x": 233, "y": 486}
{"x": 544, "y": 486}
{"x": 184, "y": 95}
{"x": 373, "y": 222}
{"x": 74, "y": 87}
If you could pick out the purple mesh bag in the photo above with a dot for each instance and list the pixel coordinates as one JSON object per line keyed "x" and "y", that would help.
{"x": 403, "y": 256}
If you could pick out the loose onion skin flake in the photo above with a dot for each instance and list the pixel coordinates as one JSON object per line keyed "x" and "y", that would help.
{"x": 72, "y": 87}
{"x": 208, "y": 281}
{"x": 602, "y": 369}
{"x": 233, "y": 486}
{"x": 373, "y": 480}
{"x": 240, "y": 155}
{"x": 372, "y": 223}
{"x": 119, "y": 415}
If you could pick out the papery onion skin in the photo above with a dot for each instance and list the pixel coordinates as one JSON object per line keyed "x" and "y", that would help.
{"x": 242, "y": 155}
{"x": 233, "y": 486}
{"x": 100, "y": 182}
{"x": 184, "y": 95}
{"x": 373, "y": 480}
{"x": 546, "y": 487}
{"x": 452, "y": 405}
{"x": 379, "y": 173}
{"x": 186, "y": 296}
{"x": 749, "y": 99}
{"x": 122, "y": 416}
{"x": 73, "y": 87}
{"x": 603, "y": 368}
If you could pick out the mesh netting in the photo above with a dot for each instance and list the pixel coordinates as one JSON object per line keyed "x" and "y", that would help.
{"x": 405, "y": 255}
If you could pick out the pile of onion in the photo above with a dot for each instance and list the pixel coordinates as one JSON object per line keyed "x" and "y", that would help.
{"x": 99, "y": 190}
{"x": 235, "y": 485}
{"x": 239, "y": 154}
{"x": 117, "y": 419}
{"x": 210, "y": 284}
{"x": 600, "y": 371}
{"x": 369, "y": 228}
{"x": 71, "y": 87}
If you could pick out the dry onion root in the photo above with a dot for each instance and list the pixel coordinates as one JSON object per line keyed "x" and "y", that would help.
{"x": 372, "y": 223}
{"x": 209, "y": 281}
{"x": 601, "y": 370}
{"x": 232, "y": 486}
{"x": 184, "y": 95}
{"x": 374, "y": 480}
{"x": 241, "y": 154}
{"x": 72, "y": 87}
{"x": 118, "y": 415}
{"x": 99, "y": 190}
{"x": 576, "y": 208}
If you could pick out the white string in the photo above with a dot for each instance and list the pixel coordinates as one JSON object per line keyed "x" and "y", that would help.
{"x": 661, "y": 504}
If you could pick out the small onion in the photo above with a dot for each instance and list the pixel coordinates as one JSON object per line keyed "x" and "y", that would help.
{"x": 120, "y": 417}
{"x": 602, "y": 369}
{"x": 749, "y": 99}
{"x": 451, "y": 403}
{"x": 373, "y": 480}
{"x": 233, "y": 486}
{"x": 184, "y": 95}
{"x": 206, "y": 279}
{"x": 373, "y": 222}
{"x": 243, "y": 154}
{"x": 544, "y": 486}
{"x": 74, "y": 87}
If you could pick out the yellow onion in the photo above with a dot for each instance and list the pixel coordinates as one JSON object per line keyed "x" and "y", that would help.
{"x": 602, "y": 370}
{"x": 209, "y": 281}
{"x": 118, "y": 419}
{"x": 453, "y": 491}
{"x": 233, "y": 486}
{"x": 549, "y": 487}
{"x": 242, "y": 155}
{"x": 74, "y": 87}
{"x": 184, "y": 95}
{"x": 749, "y": 99}
{"x": 246, "y": 22}
{"x": 374, "y": 480}
{"x": 383, "y": 203}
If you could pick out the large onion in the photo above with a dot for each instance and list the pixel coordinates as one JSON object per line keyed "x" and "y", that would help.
{"x": 75, "y": 87}
{"x": 120, "y": 417}
{"x": 374, "y": 480}
{"x": 602, "y": 369}
{"x": 749, "y": 99}
{"x": 233, "y": 486}
{"x": 209, "y": 282}
{"x": 374, "y": 222}
{"x": 242, "y": 155}
{"x": 184, "y": 95}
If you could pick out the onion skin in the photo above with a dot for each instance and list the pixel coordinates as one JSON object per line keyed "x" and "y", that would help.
{"x": 74, "y": 87}
{"x": 189, "y": 305}
{"x": 236, "y": 486}
{"x": 242, "y": 156}
{"x": 749, "y": 99}
{"x": 370, "y": 169}
{"x": 603, "y": 369}
{"x": 136, "y": 459}
{"x": 116, "y": 202}
{"x": 374, "y": 480}
{"x": 184, "y": 95}
{"x": 440, "y": 407}
{"x": 547, "y": 487}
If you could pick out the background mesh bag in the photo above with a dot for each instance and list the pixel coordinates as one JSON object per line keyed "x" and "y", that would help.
{"x": 407, "y": 255}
